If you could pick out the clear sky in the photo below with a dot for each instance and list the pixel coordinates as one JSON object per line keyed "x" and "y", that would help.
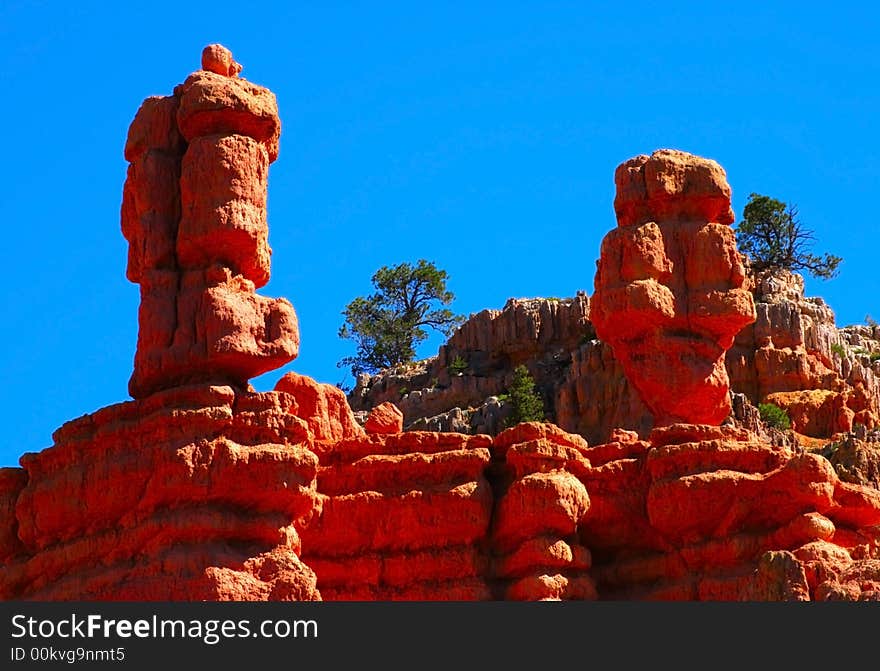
{"x": 480, "y": 135}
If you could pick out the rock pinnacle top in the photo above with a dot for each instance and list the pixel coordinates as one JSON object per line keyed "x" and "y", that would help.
{"x": 218, "y": 59}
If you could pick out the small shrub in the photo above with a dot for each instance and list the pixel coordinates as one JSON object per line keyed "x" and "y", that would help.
{"x": 528, "y": 406}
{"x": 839, "y": 350}
{"x": 874, "y": 356}
{"x": 870, "y": 321}
{"x": 403, "y": 391}
{"x": 458, "y": 365}
{"x": 774, "y": 416}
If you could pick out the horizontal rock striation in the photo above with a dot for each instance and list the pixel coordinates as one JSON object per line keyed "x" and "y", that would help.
{"x": 197, "y": 492}
{"x": 541, "y": 504}
{"x": 402, "y": 516}
{"x": 711, "y": 513}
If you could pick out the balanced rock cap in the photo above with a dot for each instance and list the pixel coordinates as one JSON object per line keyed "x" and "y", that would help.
{"x": 218, "y": 59}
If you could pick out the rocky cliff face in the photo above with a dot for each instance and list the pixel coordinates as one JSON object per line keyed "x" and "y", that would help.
{"x": 198, "y": 492}
{"x": 540, "y": 334}
{"x": 582, "y": 384}
{"x": 793, "y": 355}
{"x": 203, "y": 489}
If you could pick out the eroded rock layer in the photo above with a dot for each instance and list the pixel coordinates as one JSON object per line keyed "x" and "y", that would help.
{"x": 198, "y": 492}
{"x": 194, "y": 214}
{"x": 669, "y": 297}
{"x": 402, "y": 516}
{"x": 231, "y": 496}
{"x": 711, "y": 513}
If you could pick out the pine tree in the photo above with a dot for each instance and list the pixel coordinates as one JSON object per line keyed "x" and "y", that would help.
{"x": 524, "y": 398}
{"x": 388, "y": 325}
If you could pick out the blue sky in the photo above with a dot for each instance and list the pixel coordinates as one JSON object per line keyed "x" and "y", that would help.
{"x": 482, "y": 136}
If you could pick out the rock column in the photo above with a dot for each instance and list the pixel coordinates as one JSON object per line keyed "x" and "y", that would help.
{"x": 194, "y": 214}
{"x": 669, "y": 293}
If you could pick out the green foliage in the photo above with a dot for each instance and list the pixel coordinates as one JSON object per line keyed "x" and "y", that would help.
{"x": 773, "y": 237}
{"x": 874, "y": 356}
{"x": 458, "y": 365}
{"x": 525, "y": 399}
{"x": 839, "y": 350}
{"x": 389, "y": 324}
{"x": 774, "y": 416}
{"x": 403, "y": 391}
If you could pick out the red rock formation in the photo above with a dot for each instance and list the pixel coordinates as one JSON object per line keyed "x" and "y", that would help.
{"x": 402, "y": 516}
{"x": 212, "y": 491}
{"x": 193, "y": 491}
{"x": 594, "y": 398}
{"x": 669, "y": 297}
{"x": 540, "y": 333}
{"x": 794, "y": 347}
{"x": 384, "y": 418}
{"x": 218, "y": 59}
{"x": 816, "y": 412}
{"x": 194, "y": 213}
{"x": 693, "y": 514}
{"x": 855, "y": 460}
{"x": 322, "y": 406}
{"x": 413, "y": 516}
{"x": 540, "y": 508}
{"x": 197, "y": 492}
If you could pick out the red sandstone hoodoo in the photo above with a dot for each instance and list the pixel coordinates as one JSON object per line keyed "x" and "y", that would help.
{"x": 204, "y": 489}
{"x": 669, "y": 297}
{"x": 194, "y": 214}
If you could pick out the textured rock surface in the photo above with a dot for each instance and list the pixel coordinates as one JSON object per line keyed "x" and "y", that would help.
{"x": 194, "y": 493}
{"x": 539, "y": 333}
{"x": 198, "y": 489}
{"x": 669, "y": 297}
{"x": 384, "y": 418}
{"x": 423, "y": 515}
{"x": 583, "y": 386}
{"x": 794, "y": 346}
{"x": 194, "y": 214}
{"x": 402, "y": 517}
{"x": 540, "y": 507}
{"x": 694, "y": 512}
{"x": 856, "y": 460}
{"x": 218, "y": 59}
{"x": 322, "y": 406}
